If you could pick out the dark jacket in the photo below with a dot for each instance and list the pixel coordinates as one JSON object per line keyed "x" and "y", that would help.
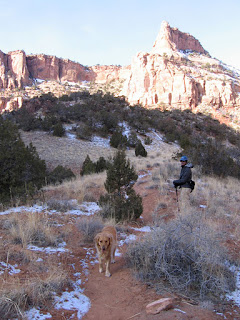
{"x": 185, "y": 177}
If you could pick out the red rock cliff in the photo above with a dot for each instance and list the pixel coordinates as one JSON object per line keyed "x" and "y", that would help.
{"x": 13, "y": 70}
{"x": 168, "y": 76}
{"x": 171, "y": 39}
{"x": 52, "y": 68}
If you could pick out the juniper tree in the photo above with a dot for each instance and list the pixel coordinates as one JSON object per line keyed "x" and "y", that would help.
{"x": 140, "y": 150}
{"x": 21, "y": 170}
{"x": 88, "y": 166}
{"x": 121, "y": 201}
{"x": 60, "y": 174}
{"x": 118, "y": 139}
{"x": 58, "y": 130}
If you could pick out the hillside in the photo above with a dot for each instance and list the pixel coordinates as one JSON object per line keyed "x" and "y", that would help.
{"x": 50, "y": 241}
{"x": 61, "y": 127}
{"x": 67, "y": 264}
{"x": 177, "y": 73}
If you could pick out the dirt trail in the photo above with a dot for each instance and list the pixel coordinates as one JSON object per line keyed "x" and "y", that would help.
{"x": 122, "y": 297}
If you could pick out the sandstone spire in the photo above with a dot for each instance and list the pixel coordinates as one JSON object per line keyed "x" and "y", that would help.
{"x": 170, "y": 40}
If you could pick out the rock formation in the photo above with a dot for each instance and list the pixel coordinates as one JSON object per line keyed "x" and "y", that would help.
{"x": 13, "y": 70}
{"x": 178, "y": 73}
{"x": 46, "y": 67}
{"x": 178, "y": 79}
{"x": 170, "y": 40}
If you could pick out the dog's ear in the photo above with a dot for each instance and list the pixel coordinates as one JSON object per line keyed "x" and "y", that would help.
{"x": 96, "y": 238}
{"x": 110, "y": 239}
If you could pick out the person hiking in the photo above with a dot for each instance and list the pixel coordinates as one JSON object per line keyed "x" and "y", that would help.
{"x": 184, "y": 182}
{"x": 185, "y": 174}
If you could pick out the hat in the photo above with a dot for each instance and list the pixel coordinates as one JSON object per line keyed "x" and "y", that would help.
{"x": 184, "y": 158}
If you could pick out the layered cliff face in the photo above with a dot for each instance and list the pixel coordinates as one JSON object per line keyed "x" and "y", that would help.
{"x": 13, "y": 70}
{"x": 18, "y": 70}
{"x": 178, "y": 72}
{"x": 169, "y": 40}
{"x": 52, "y": 68}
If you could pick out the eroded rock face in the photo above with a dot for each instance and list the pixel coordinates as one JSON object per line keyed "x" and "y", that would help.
{"x": 52, "y": 68}
{"x": 167, "y": 76}
{"x": 13, "y": 70}
{"x": 18, "y": 70}
{"x": 154, "y": 81}
{"x": 103, "y": 74}
{"x": 171, "y": 39}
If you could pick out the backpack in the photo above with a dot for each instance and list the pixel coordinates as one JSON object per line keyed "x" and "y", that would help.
{"x": 192, "y": 185}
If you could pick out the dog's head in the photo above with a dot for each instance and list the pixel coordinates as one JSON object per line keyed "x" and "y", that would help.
{"x": 103, "y": 241}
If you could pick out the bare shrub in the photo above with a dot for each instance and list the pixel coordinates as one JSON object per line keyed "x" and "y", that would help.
{"x": 61, "y": 205}
{"x": 89, "y": 227}
{"x": 187, "y": 254}
{"x": 34, "y": 229}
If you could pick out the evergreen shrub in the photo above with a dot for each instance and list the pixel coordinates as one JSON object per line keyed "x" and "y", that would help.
{"x": 140, "y": 150}
{"x": 121, "y": 201}
{"x": 59, "y": 174}
{"x": 22, "y": 172}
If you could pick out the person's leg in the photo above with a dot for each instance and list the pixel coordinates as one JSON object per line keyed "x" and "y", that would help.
{"x": 184, "y": 200}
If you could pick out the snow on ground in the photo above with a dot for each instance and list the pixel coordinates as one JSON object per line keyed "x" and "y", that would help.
{"x": 95, "y": 140}
{"x": 34, "y": 314}
{"x": 10, "y": 268}
{"x": 49, "y": 250}
{"x": 74, "y": 300}
{"x": 148, "y": 173}
{"x": 126, "y": 129}
{"x": 33, "y": 209}
{"x": 127, "y": 239}
{"x": 143, "y": 229}
{"x": 235, "y": 295}
{"x": 85, "y": 209}
{"x": 101, "y": 142}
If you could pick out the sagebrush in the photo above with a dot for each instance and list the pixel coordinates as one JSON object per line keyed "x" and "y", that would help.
{"x": 185, "y": 253}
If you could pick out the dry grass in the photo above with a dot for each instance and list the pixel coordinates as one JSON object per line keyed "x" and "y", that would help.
{"x": 86, "y": 188}
{"x": 33, "y": 228}
{"x": 20, "y": 292}
{"x": 71, "y": 153}
{"x": 18, "y": 297}
{"x": 63, "y": 151}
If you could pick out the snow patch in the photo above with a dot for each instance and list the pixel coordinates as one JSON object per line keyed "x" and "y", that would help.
{"x": 49, "y": 250}
{"x": 74, "y": 301}
{"x": 10, "y": 268}
{"x": 128, "y": 239}
{"x": 100, "y": 142}
{"x": 143, "y": 229}
{"x": 235, "y": 295}
{"x": 86, "y": 208}
{"x": 35, "y": 314}
{"x": 33, "y": 209}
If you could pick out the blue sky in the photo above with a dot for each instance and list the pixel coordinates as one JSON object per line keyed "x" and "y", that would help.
{"x": 112, "y": 32}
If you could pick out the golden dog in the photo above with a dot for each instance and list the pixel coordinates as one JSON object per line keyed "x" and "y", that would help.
{"x": 106, "y": 244}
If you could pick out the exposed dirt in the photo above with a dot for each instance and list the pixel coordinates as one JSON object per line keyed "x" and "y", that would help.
{"x": 123, "y": 297}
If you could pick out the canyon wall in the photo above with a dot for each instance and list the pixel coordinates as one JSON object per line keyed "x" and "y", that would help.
{"x": 166, "y": 75}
